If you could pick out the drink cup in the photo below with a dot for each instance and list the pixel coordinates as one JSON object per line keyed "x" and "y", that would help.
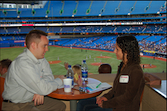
{"x": 67, "y": 84}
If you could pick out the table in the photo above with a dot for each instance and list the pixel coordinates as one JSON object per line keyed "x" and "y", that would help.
{"x": 74, "y": 95}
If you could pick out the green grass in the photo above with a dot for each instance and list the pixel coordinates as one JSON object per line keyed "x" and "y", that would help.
{"x": 75, "y": 56}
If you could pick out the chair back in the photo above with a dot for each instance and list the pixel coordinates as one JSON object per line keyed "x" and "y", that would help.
{"x": 104, "y": 69}
{"x": 2, "y": 81}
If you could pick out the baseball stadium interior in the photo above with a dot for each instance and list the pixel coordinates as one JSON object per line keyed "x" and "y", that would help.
{"x": 93, "y": 25}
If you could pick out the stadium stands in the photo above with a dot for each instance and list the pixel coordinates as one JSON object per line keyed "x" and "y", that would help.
{"x": 66, "y": 8}
{"x": 119, "y": 17}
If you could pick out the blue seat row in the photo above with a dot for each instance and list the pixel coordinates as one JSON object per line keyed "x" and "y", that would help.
{"x": 88, "y": 29}
{"x": 89, "y": 8}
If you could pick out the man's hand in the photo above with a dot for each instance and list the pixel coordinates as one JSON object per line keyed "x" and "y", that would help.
{"x": 99, "y": 101}
{"x": 38, "y": 99}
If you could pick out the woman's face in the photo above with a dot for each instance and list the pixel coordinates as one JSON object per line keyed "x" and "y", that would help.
{"x": 118, "y": 52}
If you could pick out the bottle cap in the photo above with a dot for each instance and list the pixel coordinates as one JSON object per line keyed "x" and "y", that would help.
{"x": 84, "y": 60}
{"x": 69, "y": 66}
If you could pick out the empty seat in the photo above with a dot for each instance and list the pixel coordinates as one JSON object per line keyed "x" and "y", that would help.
{"x": 105, "y": 68}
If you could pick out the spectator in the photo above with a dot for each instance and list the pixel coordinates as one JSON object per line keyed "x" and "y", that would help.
{"x": 77, "y": 70}
{"x": 4, "y": 65}
{"x": 30, "y": 79}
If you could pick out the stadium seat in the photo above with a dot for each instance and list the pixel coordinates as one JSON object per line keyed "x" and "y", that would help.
{"x": 104, "y": 69}
{"x": 2, "y": 80}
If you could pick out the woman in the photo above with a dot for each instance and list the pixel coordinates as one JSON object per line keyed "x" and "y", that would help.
{"x": 128, "y": 84}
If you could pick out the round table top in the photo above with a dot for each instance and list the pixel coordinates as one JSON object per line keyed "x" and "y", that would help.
{"x": 74, "y": 94}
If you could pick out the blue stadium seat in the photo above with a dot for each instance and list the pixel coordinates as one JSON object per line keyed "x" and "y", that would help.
{"x": 82, "y": 8}
{"x": 25, "y": 30}
{"x": 67, "y": 29}
{"x": 41, "y": 28}
{"x": 110, "y": 7}
{"x": 26, "y": 12}
{"x": 140, "y": 7}
{"x": 54, "y": 29}
{"x": 96, "y": 8}
{"x": 11, "y": 14}
{"x": 125, "y": 7}
{"x": 69, "y": 7}
{"x": 155, "y": 6}
{"x": 55, "y": 7}
{"x": 2, "y": 31}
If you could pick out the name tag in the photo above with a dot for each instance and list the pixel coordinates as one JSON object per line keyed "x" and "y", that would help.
{"x": 124, "y": 79}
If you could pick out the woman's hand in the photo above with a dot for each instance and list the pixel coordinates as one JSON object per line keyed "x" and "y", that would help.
{"x": 99, "y": 101}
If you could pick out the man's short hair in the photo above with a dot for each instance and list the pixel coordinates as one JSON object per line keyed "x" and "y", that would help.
{"x": 5, "y": 63}
{"x": 34, "y": 36}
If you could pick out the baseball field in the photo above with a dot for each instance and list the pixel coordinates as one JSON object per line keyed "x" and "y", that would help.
{"x": 56, "y": 56}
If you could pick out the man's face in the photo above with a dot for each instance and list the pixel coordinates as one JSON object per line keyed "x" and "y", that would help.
{"x": 41, "y": 47}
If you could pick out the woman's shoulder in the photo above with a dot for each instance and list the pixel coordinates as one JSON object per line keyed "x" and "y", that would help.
{"x": 135, "y": 65}
{"x": 135, "y": 68}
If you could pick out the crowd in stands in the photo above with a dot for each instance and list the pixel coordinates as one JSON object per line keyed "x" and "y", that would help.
{"x": 8, "y": 38}
{"x": 145, "y": 28}
{"x": 148, "y": 43}
{"x": 159, "y": 47}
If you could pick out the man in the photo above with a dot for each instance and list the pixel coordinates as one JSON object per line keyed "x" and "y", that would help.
{"x": 30, "y": 78}
{"x": 4, "y": 65}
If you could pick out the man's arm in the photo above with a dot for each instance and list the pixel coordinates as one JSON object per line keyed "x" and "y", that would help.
{"x": 28, "y": 76}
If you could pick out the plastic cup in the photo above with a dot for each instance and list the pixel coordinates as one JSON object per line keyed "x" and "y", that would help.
{"x": 67, "y": 84}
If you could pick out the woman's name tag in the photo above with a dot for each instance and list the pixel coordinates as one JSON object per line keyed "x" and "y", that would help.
{"x": 124, "y": 79}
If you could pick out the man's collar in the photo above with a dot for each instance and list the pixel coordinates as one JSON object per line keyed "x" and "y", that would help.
{"x": 31, "y": 56}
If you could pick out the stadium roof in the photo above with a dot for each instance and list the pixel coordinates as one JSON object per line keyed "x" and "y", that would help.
{"x": 21, "y": 1}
